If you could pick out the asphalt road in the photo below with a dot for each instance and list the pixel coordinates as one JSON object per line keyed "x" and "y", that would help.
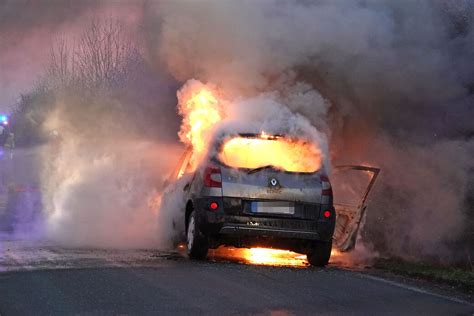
{"x": 43, "y": 279}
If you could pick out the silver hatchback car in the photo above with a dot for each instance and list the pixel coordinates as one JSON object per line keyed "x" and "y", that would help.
{"x": 265, "y": 206}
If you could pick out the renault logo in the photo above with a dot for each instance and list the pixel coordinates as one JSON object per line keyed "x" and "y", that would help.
{"x": 273, "y": 182}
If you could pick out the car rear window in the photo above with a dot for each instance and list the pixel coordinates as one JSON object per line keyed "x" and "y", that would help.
{"x": 291, "y": 155}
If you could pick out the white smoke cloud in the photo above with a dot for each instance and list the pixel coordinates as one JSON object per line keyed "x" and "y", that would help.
{"x": 101, "y": 179}
{"x": 395, "y": 77}
{"x": 107, "y": 197}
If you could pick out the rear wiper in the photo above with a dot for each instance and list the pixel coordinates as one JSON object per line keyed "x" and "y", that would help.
{"x": 259, "y": 169}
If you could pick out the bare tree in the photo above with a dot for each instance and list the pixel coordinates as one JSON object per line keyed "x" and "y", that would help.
{"x": 103, "y": 53}
{"x": 102, "y": 56}
{"x": 77, "y": 71}
{"x": 60, "y": 70}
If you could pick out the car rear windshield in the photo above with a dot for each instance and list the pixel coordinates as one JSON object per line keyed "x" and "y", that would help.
{"x": 287, "y": 154}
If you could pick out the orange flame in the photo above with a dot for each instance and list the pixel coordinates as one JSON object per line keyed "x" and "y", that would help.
{"x": 260, "y": 256}
{"x": 335, "y": 253}
{"x": 283, "y": 153}
{"x": 200, "y": 110}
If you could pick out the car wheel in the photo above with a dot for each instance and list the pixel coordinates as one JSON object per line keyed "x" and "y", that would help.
{"x": 320, "y": 253}
{"x": 197, "y": 244}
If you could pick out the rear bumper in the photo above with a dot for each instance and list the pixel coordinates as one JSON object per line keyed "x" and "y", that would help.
{"x": 224, "y": 224}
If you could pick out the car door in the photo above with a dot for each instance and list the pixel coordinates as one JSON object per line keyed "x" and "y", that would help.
{"x": 182, "y": 165}
{"x": 351, "y": 187}
{"x": 173, "y": 200}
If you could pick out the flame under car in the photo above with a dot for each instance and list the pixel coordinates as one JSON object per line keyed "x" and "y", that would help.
{"x": 258, "y": 190}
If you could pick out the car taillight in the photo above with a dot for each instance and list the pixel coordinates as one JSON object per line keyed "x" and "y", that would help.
{"x": 213, "y": 206}
{"x": 212, "y": 177}
{"x": 327, "y": 214}
{"x": 326, "y": 186}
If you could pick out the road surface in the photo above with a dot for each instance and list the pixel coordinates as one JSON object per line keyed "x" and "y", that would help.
{"x": 44, "y": 279}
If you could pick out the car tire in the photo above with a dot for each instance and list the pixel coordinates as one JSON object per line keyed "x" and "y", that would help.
{"x": 196, "y": 243}
{"x": 320, "y": 253}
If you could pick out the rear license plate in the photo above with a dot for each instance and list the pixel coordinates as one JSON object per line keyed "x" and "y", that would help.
{"x": 276, "y": 207}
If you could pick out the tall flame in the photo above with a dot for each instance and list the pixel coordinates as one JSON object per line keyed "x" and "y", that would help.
{"x": 200, "y": 109}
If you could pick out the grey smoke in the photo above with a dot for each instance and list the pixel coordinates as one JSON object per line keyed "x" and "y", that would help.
{"x": 398, "y": 76}
{"x": 390, "y": 83}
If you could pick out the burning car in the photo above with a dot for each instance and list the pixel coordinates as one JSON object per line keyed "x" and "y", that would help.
{"x": 258, "y": 190}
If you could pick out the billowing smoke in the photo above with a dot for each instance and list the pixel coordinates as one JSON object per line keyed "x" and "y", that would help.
{"x": 389, "y": 83}
{"x": 105, "y": 191}
{"x": 110, "y": 148}
{"x": 101, "y": 179}
{"x": 397, "y": 79}
{"x": 108, "y": 144}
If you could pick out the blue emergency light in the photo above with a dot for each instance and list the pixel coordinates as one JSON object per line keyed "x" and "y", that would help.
{"x": 4, "y": 119}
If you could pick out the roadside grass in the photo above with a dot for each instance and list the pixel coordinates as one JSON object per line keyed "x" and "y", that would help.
{"x": 461, "y": 279}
